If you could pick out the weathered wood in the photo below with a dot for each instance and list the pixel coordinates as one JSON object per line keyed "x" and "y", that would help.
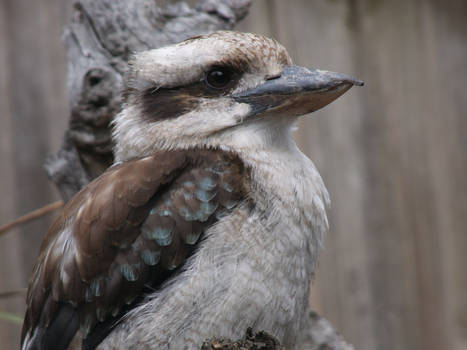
{"x": 9, "y": 278}
{"x": 32, "y": 118}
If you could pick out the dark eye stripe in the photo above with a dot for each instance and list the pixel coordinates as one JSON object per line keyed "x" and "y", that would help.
{"x": 167, "y": 103}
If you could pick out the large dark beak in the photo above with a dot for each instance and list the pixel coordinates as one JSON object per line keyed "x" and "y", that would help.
{"x": 296, "y": 91}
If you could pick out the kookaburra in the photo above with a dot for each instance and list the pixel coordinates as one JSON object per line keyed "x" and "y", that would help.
{"x": 211, "y": 218}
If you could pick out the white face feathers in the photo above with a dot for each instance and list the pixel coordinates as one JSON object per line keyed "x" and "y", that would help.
{"x": 225, "y": 89}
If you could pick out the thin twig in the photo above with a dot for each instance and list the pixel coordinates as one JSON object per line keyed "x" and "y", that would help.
{"x": 10, "y": 317}
{"x": 31, "y": 216}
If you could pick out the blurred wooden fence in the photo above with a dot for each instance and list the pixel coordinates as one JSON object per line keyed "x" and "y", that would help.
{"x": 393, "y": 155}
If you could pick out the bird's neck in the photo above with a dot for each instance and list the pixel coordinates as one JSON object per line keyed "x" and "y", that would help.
{"x": 289, "y": 188}
{"x": 267, "y": 135}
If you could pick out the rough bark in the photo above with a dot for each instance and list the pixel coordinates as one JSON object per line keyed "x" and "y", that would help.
{"x": 99, "y": 40}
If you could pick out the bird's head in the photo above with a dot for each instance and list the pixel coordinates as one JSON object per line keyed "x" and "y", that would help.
{"x": 225, "y": 89}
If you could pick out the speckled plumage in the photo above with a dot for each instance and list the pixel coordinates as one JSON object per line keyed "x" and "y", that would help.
{"x": 212, "y": 219}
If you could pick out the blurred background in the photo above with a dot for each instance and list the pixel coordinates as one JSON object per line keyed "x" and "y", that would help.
{"x": 393, "y": 274}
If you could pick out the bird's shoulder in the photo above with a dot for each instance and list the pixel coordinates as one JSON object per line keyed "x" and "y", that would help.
{"x": 126, "y": 233}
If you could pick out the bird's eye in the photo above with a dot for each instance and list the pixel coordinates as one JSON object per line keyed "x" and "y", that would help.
{"x": 218, "y": 78}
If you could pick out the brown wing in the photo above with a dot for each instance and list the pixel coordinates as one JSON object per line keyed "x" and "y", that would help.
{"x": 128, "y": 230}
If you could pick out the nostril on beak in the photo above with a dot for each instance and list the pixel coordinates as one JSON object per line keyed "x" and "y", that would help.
{"x": 273, "y": 76}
